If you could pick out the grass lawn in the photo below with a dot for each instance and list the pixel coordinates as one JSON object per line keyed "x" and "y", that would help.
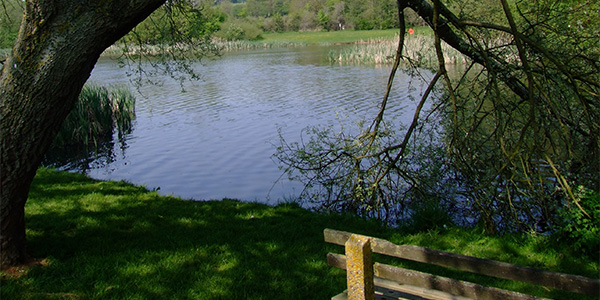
{"x": 112, "y": 240}
{"x": 336, "y": 37}
{"x": 330, "y": 37}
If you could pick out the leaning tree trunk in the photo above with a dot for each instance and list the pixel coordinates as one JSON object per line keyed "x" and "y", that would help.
{"x": 58, "y": 45}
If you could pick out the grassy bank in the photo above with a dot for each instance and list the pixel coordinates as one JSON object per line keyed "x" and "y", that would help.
{"x": 323, "y": 38}
{"x": 331, "y": 37}
{"x": 363, "y": 47}
{"x": 417, "y": 48}
{"x": 112, "y": 240}
{"x": 300, "y": 39}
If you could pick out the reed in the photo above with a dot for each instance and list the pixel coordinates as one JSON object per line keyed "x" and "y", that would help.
{"x": 251, "y": 45}
{"x": 218, "y": 44}
{"x": 97, "y": 113}
{"x": 417, "y": 48}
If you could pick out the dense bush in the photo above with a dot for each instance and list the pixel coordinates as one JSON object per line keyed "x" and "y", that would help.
{"x": 429, "y": 214}
{"x": 580, "y": 224}
{"x": 179, "y": 23}
{"x": 294, "y": 15}
{"x": 239, "y": 30}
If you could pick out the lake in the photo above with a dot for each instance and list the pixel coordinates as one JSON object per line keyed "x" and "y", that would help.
{"x": 216, "y": 139}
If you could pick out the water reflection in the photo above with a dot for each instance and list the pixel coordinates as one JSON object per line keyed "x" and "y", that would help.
{"x": 215, "y": 140}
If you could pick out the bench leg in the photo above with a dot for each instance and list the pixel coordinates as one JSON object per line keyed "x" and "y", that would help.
{"x": 359, "y": 268}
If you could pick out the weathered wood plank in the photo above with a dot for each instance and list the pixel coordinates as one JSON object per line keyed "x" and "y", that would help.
{"x": 394, "y": 290}
{"x": 341, "y": 296}
{"x": 389, "y": 290}
{"x": 428, "y": 281}
{"x": 566, "y": 282}
{"x": 359, "y": 268}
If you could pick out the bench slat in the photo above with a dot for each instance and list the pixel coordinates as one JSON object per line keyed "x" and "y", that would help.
{"x": 440, "y": 283}
{"x": 394, "y": 290}
{"x": 389, "y": 290}
{"x": 566, "y": 282}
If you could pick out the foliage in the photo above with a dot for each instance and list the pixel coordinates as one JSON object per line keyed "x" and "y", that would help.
{"x": 485, "y": 10}
{"x": 177, "y": 22}
{"x": 428, "y": 215}
{"x": 234, "y": 30}
{"x": 580, "y": 224}
{"x": 113, "y": 240}
{"x": 522, "y": 145}
{"x": 274, "y": 23}
{"x": 345, "y": 169}
{"x": 294, "y": 15}
{"x": 336, "y": 176}
{"x": 10, "y": 19}
{"x": 323, "y": 18}
{"x": 519, "y": 124}
{"x": 166, "y": 43}
{"x": 367, "y": 15}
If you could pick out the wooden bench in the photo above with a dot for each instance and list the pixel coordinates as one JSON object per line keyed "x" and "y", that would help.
{"x": 371, "y": 280}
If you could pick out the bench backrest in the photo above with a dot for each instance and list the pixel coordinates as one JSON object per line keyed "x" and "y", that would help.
{"x": 359, "y": 248}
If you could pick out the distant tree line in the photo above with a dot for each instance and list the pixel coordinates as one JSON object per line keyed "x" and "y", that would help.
{"x": 299, "y": 15}
{"x": 236, "y": 19}
{"x": 248, "y": 19}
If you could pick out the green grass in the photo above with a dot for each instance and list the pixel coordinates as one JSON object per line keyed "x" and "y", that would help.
{"x": 301, "y": 39}
{"x": 113, "y": 240}
{"x": 330, "y": 37}
{"x": 323, "y": 38}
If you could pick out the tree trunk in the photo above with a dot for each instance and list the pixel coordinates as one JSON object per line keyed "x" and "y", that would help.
{"x": 58, "y": 45}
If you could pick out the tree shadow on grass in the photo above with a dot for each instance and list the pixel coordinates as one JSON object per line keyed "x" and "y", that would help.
{"x": 112, "y": 240}
{"x": 116, "y": 241}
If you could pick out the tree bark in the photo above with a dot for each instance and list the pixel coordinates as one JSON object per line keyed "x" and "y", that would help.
{"x": 58, "y": 45}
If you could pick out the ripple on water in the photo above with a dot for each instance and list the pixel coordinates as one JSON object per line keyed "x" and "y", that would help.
{"x": 215, "y": 140}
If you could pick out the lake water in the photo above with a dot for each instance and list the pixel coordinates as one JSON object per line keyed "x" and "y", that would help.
{"x": 216, "y": 139}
